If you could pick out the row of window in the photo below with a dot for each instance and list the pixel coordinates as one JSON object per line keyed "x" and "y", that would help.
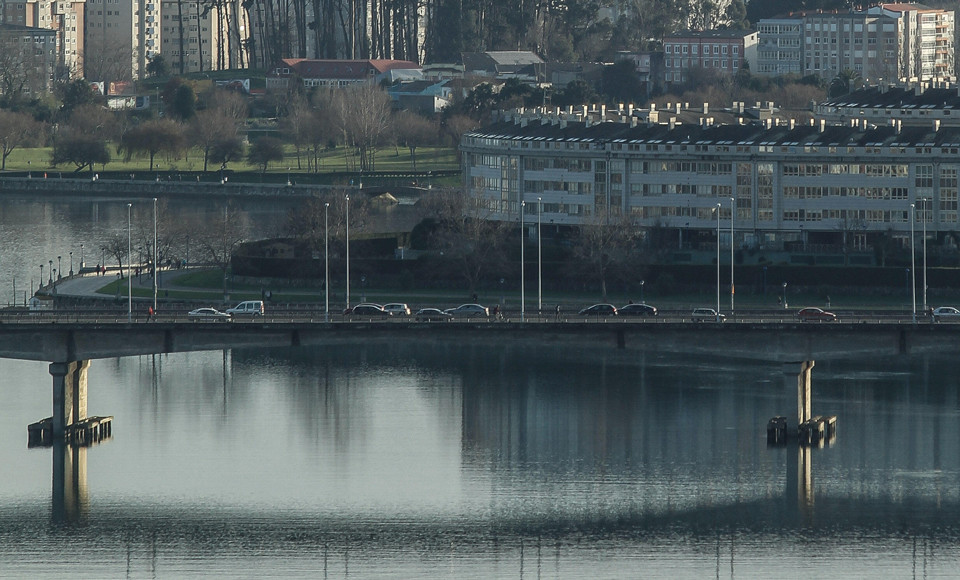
{"x": 694, "y": 49}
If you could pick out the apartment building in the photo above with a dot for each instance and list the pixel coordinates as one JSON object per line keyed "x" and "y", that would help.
{"x": 210, "y": 38}
{"x": 722, "y": 51}
{"x": 886, "y": 41}
{"x": 815, "y": 183}
{"x": 914, "y": 104}
{"x": 28, "y": 58}
{"x": 64, "y": 18}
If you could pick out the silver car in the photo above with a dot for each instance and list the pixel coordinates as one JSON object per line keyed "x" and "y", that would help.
{"x": 397, "y": 309}
{"x": 468, "y": 311}
{"x": 706, "y": 315}
{"x": 946, "y": 313}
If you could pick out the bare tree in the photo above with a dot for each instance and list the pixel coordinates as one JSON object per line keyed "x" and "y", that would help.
{"x": 153, "y": 137}
{"x": 605, "y": 240}
{"x": 220, "y": 237}
{"x": 363, "y": 114}
{"x": 16, "y": 130}
{"x": 412, "y": 130}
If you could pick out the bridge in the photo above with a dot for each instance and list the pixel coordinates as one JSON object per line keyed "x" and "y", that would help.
{"x": 69, "y": 342}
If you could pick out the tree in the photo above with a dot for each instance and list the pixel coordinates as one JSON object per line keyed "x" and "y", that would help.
{"x": 574, "y": 94}
{"x": 152, "y": 137}
{"x": 16, "y": 130}
{"x": 212, "y": 131}
{"x": 621, "y": 83}
{"x": 84, "y": 151}
{"x": 845, "y": 83}
{"x": 219, "y": 238}
{"x": 157, "y": 66}
{"x": 605, "y": 240}
{"x": 263, "y": 151}
{"x": 472, "y": 244}
{"x": 309, "y": 222}
{"x": 75, "y": 94}
{"x": 412, "y": 130}
{"x": 363, "y": 114}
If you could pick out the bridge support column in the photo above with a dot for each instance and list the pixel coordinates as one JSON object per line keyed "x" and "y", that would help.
{"x": 70, "y": 496}
{"x": 69, "y": 394}
{"x": 801, "y": 381}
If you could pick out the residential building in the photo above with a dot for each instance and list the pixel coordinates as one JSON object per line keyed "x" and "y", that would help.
{"x": 885, "y": 42}
{"x": 503, "y": 64}
{"x": 338, "y": 73}
{"x": 914, "y": 104}
{"x": 211, "y": 40}
{"x": 65, "y": 18}
{"x": 28, "y": 59}
{"x": 813, "y": 183}
{"x": 425, "y": 96}
{"x": 719, "y": 51}
{"x": 780, "y": 46}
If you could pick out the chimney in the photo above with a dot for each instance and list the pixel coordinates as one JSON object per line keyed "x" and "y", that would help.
{"x": 673, "y": 123}
{"x": 899, "y": 126}
{"x": 603, "y": 112}
{"x": 686, "y": 106}
{"x": 740, "y": 107}
{"x": 678, "y": 106}
{"x": 792, "y": 124}
{"x": 653, "y": 106}
{"x": 706, "y": 108}
{"x": 823, "y": 125}
{"x": 633, "y": 122}
{"x": 584, "y": 110}
{"x": 936, "y": 125}
{"x": 630, "y": 109}
{"x": 563, "y": 123}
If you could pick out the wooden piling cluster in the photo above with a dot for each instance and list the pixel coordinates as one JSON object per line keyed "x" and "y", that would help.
{"x": 83, "y": 433}
{"x": 816, "y": 431}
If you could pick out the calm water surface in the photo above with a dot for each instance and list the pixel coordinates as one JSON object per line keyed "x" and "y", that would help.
{"x": 478, "y": 461}
{"x": 464, "y": 460}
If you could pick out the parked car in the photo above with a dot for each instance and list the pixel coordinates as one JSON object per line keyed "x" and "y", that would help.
{"x": 397, "y": 309}
{"x": 247, "y": 308}
{"x": 432, "y": 314}
{"x": 369, "y": 310}
{"x": 207, "y": 314}
{"x": 637, "y": 310}
{"x": 599, "y": 310}
{"x": 468, "y": 311}
{"x": 945, "y": 313}
{"x": 815, "y": 315}
{"x": 706, "y": 314}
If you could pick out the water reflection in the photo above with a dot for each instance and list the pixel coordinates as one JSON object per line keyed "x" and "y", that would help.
{"x": 499, "y": 460}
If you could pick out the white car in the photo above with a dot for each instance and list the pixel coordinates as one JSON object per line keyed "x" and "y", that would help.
{"x": 247, "y": 308}
{"x": 397, "y": 309}
{"x": 207, "y": 314}
{"x": 706, "y": 315}
{"x": 945, "y": 313}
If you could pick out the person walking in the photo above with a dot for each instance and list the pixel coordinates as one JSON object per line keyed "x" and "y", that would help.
{"x": 558, "y": 313}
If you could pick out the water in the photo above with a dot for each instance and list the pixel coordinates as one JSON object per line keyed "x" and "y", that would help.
{"x": 387, "y": 460}
{"x": 466, "y": 460}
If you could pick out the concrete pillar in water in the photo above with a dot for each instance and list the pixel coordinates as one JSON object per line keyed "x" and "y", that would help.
{"x": 800, "y": 381}
{"x": 70, "y": 495}
{"x": 69, "y": 394}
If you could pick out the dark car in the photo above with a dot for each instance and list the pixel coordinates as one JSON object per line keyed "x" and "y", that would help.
{"x": 815, "y": 315}
{"x": 432, "y": 314}
{"x": 599, "y": 310}
{"x": 368, "y": 310}
{"x": 637, "y": 310}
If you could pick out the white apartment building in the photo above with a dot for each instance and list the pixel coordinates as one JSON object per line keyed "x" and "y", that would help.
{"x": 121, "y": 36}
{"x": 211, "y": 37}
{"x": 814, "y": 183}
{"x": 885, "y": 42}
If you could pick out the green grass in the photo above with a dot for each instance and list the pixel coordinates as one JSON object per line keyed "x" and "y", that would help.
{"x": 331, "y": 161}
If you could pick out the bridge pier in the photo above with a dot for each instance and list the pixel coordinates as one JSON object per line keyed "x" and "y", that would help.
{"x": 804, "y": 404}
{"x": 69, "y": 395}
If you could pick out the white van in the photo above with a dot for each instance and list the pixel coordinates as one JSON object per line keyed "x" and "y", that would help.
{"x": 247, "y": 308}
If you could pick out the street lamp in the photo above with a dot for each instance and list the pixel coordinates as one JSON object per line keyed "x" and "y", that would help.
{"x": 718, "y": 262}
{"x": 924, "y": 222}
{"x": 288, "y": 176}
{"x": 539, "y": 260}
{"x": 326, "y": 261}
{"x": 784, "y": 295}
{"x": 363, "y": 288}
{"x": 81, "y": 256}
{"x": 156, "y": 272}
{"x": 129, "y": 279}
{"x": 59, "y": 268}
{"x": 71, "y": 263}
{"x": 642, "y": 301}
{"x": 523, "y": 206}
{"x": 50, "y": 279}
{"x": 348, "y": 248}
{"x": 41, "y": 276}
{"x": 733, "y": 211}
{"x": 913, "y": 262}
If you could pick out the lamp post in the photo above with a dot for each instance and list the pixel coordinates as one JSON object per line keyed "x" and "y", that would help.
{"x": 642, "y": 301}
{"x": 103, "y": 257}
{"x": 129, "y": 279}
{"x": 81, "y": 256}
{"x": 288, "y": 176}
{"x": 784, "y": 295}
{"x": 348, "y": 249}
{"x": 50, "y": 278}
{"x": 539, "y": 259}
{"x": 523, "y": 206}
{"x": 923, "y": 217}
{"x": 41, "y": 276}
{"x": 718, "y": 262}
{"x": 156, "y": 272}
{"x": 59, "y": 268}
{"x": 913, "y": 262}
{"x": 733, "y": 211}
{"x": 71, "y": 263}
{"x": 363, "y": 288}
{"x": 326, "y": 262}
{"x": 764, "y": 280}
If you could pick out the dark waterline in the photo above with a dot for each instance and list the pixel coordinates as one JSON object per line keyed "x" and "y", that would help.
{"x": 394, "y": 460}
